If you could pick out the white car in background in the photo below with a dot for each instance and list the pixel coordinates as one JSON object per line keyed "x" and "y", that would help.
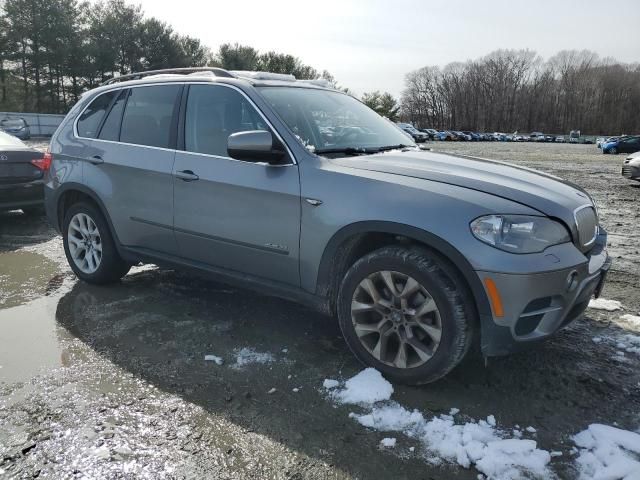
{"x": 631, "y": 167}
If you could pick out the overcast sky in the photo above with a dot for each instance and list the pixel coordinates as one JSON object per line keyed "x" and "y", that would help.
{"x": 371, "y": 44}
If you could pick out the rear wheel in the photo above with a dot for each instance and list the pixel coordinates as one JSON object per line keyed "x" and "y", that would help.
{"x": 89, "y": 246}
{"x": 403, "y": 312}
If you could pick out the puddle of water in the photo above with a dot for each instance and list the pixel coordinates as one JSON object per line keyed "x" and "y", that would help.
{"x": 30, "y": 340}
{"x": 24, "y": 275}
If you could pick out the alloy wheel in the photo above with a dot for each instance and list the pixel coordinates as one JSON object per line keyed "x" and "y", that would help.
{"x": 85, "y": 243}
{"x": 396, "y": 319}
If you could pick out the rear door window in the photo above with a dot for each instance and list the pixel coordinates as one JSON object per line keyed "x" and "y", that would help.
{"x": 91, "y": 118}
{"x": 111, "y": 128}
{"x": 149, "y": 114}
{"x": 213, "y": 113}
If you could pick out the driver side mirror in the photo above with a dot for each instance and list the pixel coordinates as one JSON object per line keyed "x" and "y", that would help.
{"x": 255, "y": 146}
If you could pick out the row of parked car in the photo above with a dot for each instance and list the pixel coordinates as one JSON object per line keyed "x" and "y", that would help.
{"x": 620, "y": 144}
{"x": 425, "y": 134}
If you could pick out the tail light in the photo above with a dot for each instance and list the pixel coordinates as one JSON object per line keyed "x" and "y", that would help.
{"x": 43, "y": 163}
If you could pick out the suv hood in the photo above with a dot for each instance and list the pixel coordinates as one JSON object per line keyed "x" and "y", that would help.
{"x": 546, "y": 193}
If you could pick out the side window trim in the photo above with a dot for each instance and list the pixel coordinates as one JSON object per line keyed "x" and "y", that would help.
{"x": 124, "y": 108}
{"x": 175, "y": 118}
{"x": 292, "y": 158}
{"x": 180, "y": 145}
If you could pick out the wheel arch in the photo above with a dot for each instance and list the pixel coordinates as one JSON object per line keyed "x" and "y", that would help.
{"x": 355, "y": 240}
{"x": 71, "y": 193}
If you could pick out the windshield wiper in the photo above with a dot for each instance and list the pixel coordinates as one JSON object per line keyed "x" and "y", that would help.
{"x": 345, "y": 150}
{"x": 393, "y": 147}
{"x": 361, "y": 150}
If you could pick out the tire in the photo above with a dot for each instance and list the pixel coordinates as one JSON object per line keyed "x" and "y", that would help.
{"x": 613, "y": 151}
{"x": 34, "y": 211}
{"x": 109, "y": 266}
{"x": 454, "y": 316}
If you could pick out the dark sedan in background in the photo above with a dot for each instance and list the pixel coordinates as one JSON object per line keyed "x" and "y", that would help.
{"x": 18, "y": 127}
{"x": 21, "y": 176}
{"x": 417, "y": 135}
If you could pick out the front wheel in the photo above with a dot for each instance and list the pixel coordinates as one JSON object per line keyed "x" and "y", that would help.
{"x": 89, "y": 246}
{"x": 405, "y": 312}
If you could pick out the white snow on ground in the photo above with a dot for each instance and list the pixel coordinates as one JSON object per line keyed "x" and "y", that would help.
{"x": 246, "y": 356}
{"x": 633, "y": 320}
{"x": 329, "y": 383}
{"x": 480, "y": 444}
{"x": 388, "y": 442}
{"x": 608, "y": 453}
{"x": 604, "y": 304}
{"x": 629, "y": 343}
{"x": 214, "y": 358}
{"x": 367, "y": 387}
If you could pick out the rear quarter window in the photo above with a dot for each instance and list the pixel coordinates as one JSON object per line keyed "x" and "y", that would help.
{"x": 92, "y": 116}
{"x": 111, "y": 128}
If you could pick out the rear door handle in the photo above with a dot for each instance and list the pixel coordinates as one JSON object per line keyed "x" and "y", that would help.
{"x": 96, "y": 160}
{"x": 187, "y": 175}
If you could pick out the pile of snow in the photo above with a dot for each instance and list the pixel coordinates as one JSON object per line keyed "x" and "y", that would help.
{"x": 608, "y": 452}
{"x": 604, "y": 304}
{"x": 246, "y": 356}
{"x": 480, "y": 444}
{"x": 366, "y": 387}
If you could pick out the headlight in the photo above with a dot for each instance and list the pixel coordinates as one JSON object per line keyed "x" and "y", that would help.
{"x": 519, "y": 233}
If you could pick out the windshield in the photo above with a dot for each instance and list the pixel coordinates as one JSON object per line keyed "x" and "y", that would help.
{"x": 324, "y": 120}
{"x": 13, "y": 123}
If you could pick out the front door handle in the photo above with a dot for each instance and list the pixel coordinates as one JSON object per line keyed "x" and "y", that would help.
{"x": 96, "y": 160}
{"x": 187, "y": 175}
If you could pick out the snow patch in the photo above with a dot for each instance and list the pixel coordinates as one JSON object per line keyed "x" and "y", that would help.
{"x": 634, "y": 320}
{"x": 480, "y": 444}
{"x": 367, "y": 387}
{"x": 388, "y": 442}
{"x": 246, "y": 356}
{"x": 604, "y": 304}
{"x": 629, "y": 343}
{"x": 213, "y": 358}
{"x": 607, "y": 452}
{"x": 329, "y": 383}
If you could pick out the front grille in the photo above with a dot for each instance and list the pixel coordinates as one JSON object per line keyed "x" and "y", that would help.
{"x": 626, "y": 171}
{"x": 587, "y": 223}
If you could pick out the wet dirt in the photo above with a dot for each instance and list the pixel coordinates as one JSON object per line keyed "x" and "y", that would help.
{"x": 111, "y": 382}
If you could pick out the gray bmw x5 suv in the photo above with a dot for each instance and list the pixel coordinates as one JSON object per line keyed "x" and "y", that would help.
{"x": 301, "y": 191}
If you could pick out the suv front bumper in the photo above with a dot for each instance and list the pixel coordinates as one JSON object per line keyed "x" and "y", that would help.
{"x": 537, "y": 305}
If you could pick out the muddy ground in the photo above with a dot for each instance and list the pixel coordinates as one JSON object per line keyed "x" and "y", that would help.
{"x": 112, "y": 382}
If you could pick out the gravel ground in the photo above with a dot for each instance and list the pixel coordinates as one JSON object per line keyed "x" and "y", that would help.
{"x": 112, "y": 382}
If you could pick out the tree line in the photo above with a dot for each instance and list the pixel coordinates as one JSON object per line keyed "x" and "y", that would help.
{"x": 51, "y": 51}
{"x": 516, "y": 90}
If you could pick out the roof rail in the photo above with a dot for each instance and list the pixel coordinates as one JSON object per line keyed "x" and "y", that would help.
{"x": 218, "y": 72}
